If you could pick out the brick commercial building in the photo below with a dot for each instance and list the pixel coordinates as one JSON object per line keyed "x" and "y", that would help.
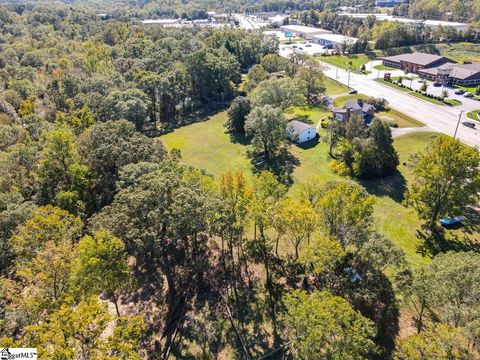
{"x": 415, "y": 61}
{"x": 457, "y": 74}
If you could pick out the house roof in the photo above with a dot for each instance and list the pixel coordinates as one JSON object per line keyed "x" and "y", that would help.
{"x": 298, "y": 126}
{"x": 465, "y": 71}
{"x": 417, "y": 58}
{"x": 356, "y": 105}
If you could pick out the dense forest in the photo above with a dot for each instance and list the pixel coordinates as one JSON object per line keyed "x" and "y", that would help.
{"x": 112, "y": 248}
{"x": 459, "y": 10}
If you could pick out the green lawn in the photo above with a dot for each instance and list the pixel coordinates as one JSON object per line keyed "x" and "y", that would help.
{"x": 402, "y": 120}
{"x": 452, "y": 102}
{"x": 207, "y": 146}
{"x": 392, "y": 85}
{"x": 344, "y": 62}
{"x": 383, "y": 67}
{"x": 426, "y": 98}
{"x": 333, "y": 87}
{"x": 474, "y": 115}
{"x": 313, "y": 113}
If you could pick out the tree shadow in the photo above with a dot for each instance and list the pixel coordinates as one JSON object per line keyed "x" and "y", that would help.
{"x": 281, "y": 165}
{"x": 435, "y": 241}
{"x": 392, "y": 186}
{"x": 240, "y": 138}
{"x": 374, "y": 297}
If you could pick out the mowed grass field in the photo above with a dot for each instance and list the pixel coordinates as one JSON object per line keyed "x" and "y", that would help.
{"x": 206, "y": 145}
{"x": 344, "y": 62}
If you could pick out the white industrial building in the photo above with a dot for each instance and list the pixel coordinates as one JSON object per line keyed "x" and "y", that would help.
{"x": 333, "y": 41}
{"x": 433, "y": 24}
{"x": 306, "y": 32}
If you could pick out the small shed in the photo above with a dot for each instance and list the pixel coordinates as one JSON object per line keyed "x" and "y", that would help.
{"x": 300, "y": 132}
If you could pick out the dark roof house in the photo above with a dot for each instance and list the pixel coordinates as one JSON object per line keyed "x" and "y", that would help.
{"x": 355, "y": 107}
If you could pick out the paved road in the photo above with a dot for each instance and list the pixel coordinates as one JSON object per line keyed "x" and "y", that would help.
{"x": 437, "y": 117}
{"x": 440, "y": 118}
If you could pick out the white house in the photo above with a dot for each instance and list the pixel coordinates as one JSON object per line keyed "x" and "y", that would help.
{"x": 300, "y": 132}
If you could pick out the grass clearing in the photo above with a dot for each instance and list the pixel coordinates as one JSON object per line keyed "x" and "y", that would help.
{"x": 383, "y": 67}
{"x": 345, "y": 62}
{"x": 313, "y": 113}
{"x": 474, "y": 115}
{"x": 402, "y": 120}
{"x": 333, "y": 87}
{"x": 206, "y": 146}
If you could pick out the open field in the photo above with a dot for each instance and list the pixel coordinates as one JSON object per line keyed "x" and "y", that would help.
{"x": 345, "y": 62}
{"x": 333, "y": 87}
{"x": 205, "y": 145}
{"x": 310, "y": 114}
{"x": 383, "y": 67}
{"x": 402, "y": 120}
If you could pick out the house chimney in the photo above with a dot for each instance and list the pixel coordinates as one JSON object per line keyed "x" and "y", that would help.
{"x": 360, "y": 102}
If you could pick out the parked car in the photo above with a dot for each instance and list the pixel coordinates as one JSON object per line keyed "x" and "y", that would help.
{"x": 308, "y": 45}
{"x": 460, "y": 92}
{"x": 468, "y": 95}
{"x": 436, "y": 84}
{"x": 420, "y": 80}
{"x": 451, "y": 221}
{"x": 353, "y": 91}
{"x": 294, "y": 46}
{"x": 469, "y": 124}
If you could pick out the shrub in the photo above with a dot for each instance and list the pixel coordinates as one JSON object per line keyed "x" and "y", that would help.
{"x": 339, "y": 167}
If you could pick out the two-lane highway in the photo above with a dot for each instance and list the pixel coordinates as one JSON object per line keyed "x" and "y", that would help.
{"x": 442, "y": 118}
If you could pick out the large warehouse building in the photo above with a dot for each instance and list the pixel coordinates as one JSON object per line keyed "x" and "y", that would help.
{"x": 306, "y": 32}
{"x": 333, "y": 41}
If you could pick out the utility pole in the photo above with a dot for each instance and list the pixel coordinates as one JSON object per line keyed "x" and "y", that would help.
{"x": 336, "y": 75}
{"x": 348, "y": 78}
{"x": 458, "y": 123}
